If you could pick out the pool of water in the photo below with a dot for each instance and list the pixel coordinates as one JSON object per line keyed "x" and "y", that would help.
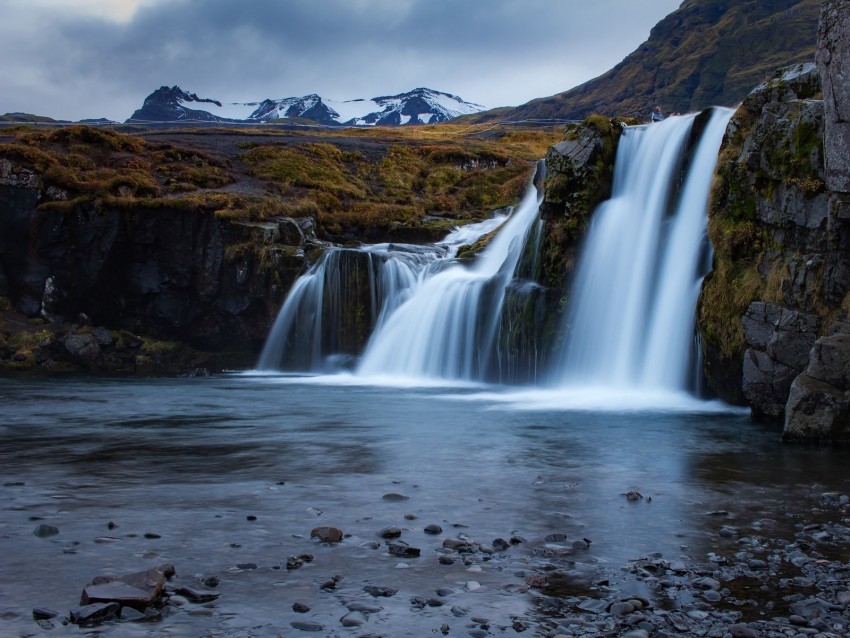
{"x": 188, "y": 461}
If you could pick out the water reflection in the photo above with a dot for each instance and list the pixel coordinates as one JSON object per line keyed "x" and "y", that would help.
{"x": 190, "y": 459}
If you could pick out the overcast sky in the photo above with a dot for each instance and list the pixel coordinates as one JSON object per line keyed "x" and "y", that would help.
{"x": 74, "y": 59}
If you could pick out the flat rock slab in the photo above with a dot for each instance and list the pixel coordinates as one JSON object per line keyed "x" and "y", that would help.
{"x": 139, "y": 590}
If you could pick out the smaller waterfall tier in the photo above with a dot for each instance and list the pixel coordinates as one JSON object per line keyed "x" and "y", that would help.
{"x": 333, "y": 309}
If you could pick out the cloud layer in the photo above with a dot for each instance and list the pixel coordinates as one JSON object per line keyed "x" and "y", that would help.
{"x": 86, "y": 58}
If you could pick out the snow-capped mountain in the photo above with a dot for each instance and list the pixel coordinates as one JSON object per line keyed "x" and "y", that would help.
{"x": 419, "y": 106}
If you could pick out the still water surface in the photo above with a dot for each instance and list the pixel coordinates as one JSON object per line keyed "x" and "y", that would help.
{"x": 190, "y": 459}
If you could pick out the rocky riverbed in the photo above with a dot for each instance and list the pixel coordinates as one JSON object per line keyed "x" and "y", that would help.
{"x": 757, "y": 582}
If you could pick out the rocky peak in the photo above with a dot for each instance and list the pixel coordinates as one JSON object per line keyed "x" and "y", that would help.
{"x": 169, "y": 103}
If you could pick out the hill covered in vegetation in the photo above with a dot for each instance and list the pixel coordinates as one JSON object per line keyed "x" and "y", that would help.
{"x": 707, "y": 52}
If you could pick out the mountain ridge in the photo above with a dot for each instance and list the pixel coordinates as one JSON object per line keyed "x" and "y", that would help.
{"x": 705, "y": 53}
{"x": 419, "y": 106}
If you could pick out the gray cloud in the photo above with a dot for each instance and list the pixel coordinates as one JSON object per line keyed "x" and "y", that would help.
{"x": 495, "y": 52}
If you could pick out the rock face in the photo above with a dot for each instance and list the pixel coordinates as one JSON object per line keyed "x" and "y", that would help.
{"x": 175, "y": 274}
{"x": 834, "y": 64}
{"x": 779, "y": 342}
{"x": 779, "y": 223}
{"x": 819, "y": 400}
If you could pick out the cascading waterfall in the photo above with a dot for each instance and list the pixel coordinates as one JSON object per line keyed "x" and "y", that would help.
{"x": 630, "y": 321}
{"x": 448, "y": 328}
{"x": 346, "y": 295}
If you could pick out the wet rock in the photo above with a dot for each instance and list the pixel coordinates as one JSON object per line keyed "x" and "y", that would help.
{"x": 44, "y": 530}
{"x": 366, "y": 608}
{"x": 555, "y": 538}
{"x": 168, "y": 570}
{"x": 94, "y": 614}
{"x": 500, "y": 544}
{"x": 293, "y": 562}
{"x": 399, "y": 548}
{"x": 380, "y": 592}
{"x": 393, "y": 496}
{"x": 138, "y": 590}
{"x": 621, "y": 608}
{"x": 457, "y": 545}
{"x": 741, "y": 630}
{"x": 40, "y": 613}
{"x": 305, "y": 625}
{"x": 212, "y": 581}
{"x": 327, "y": 534}
{"x": 197, "y": 596}
{"x": 446, "y": 559}
{"x": 353, "y": 619}
{"x": 300, "y": 608}
{"x": 433, "y": 529}
{"x": 390, "y": 532}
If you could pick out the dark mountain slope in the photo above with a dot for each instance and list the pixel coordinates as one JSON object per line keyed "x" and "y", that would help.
{"x": 706, "y": 52}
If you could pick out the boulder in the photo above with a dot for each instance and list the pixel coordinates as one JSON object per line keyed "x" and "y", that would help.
{"x": 139, "y": 590}
{"x": 818, "y": 407}
{"x": 780, "y": 340}
{"x": 327, "y": 534}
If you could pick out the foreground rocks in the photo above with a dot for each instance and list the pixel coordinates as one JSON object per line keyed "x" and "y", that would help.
{"x": 753, "y": 585}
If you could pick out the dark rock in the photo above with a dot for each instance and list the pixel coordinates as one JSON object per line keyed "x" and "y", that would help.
{"x": 44, "y": 530}
{"x": 83, "y": 347}
{"x": 197, "y": 596}
{"x": 366, "y": 608}
{"x": 393, "y": 496}
{"x": 305, "y": 625}
{"x": 380, "y": 592}
{"x": 399, "y": 548}
{"x": 780, "y": 340}
{"x": 457, "y": 545}
{"x": 819, "y": 400}
{"x": 39, "y": 613}
{"x": 433, "y": 529}
{"x": 300, "y": 608}
{"x": 168, "y": 570}
{"x": 390, "y": 532}
{"x": 139, "y": 590}
{"x": 212, "y": 581}
{"x": 500, "y": 544}
{"x": 740, "y": 630}
{"x": 293, "y": 562}
{"x": 94, "y": 614}
{"x": 555, "y": 538}
{"x": 833, "y": 60}
{"x": 327, "y": 534}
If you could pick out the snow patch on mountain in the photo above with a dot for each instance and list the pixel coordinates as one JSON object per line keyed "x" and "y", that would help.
{"x": 419, "y": 106}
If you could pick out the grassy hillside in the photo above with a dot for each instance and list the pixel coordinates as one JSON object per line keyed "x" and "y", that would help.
{"x": 707, "y": 52}
{"x": 356, "y": 183}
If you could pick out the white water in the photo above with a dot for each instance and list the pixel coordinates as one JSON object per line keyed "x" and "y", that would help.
{"x": 631, "y": 313}
{"x": 305, "y": 335}
{"x": 447, "y": 329}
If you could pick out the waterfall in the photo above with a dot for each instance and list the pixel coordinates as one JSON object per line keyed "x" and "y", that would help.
{"x": 449, "y": 328}
{"x": 347, "y": 294}
{"x": 630, "y": 322}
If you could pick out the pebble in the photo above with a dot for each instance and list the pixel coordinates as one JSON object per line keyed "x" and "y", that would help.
{"x": 433, "y": 529}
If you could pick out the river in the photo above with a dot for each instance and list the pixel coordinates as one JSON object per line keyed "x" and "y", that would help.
{"x": 179, "y": 465}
